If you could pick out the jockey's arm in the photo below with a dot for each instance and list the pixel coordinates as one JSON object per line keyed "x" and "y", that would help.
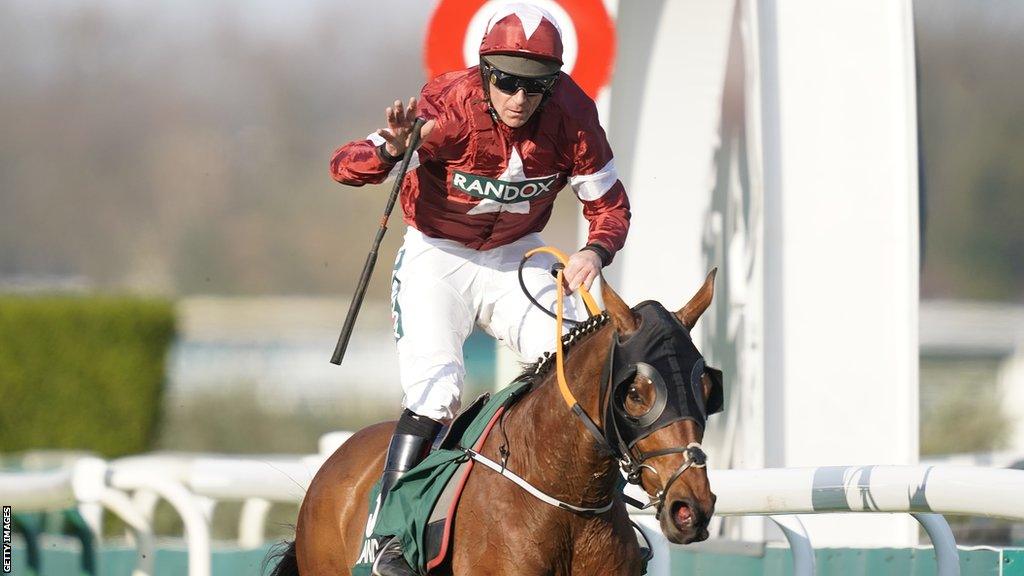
{"x": 362, "y": 162}
{"x": 609, "y": 223}
{"x": 596, "y": 183}
{"x": 372, "y": 160}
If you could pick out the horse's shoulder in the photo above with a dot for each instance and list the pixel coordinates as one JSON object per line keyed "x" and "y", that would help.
{"x": 366, "y": 439}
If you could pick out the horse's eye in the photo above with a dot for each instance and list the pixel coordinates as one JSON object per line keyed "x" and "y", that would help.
{"x": 634, "y": 395}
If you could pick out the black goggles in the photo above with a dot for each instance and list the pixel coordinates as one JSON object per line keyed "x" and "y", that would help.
{"x": 510, "y": 83}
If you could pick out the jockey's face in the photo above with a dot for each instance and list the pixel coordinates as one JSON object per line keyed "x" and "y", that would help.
{"x": 515, "y": 109}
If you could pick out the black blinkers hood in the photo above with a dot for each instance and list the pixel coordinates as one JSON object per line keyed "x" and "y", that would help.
{"x": 661, "y": 349}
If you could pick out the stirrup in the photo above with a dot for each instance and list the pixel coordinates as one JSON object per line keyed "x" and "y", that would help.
{"x": 390, "y": 561}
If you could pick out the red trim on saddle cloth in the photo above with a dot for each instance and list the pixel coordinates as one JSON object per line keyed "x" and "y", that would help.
{"x": 435, "y": 562}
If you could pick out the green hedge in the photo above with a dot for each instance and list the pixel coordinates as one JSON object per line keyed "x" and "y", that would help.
{"x": 82, "y": 373}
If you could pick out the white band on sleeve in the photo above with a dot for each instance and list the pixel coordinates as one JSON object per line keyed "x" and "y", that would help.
{"x": 377, "y": 140}
{"x": 592, "y": 186}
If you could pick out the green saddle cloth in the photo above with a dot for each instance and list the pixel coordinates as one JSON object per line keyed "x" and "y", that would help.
{"x": 406, "y": 511}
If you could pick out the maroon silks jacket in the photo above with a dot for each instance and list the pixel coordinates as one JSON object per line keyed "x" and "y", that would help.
{"x": 483, "y": 184}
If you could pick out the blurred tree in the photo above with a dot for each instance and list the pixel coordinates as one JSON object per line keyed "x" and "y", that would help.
{"x": 82, "y": 373}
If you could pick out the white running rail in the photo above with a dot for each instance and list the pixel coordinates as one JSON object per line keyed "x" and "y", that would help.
{"x": 84, "y": 483}
{"x": 992, "y": 492}
{"x": 189, "y": 482}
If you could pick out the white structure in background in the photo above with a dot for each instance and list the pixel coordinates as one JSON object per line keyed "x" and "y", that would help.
{"x": 960, "y": 329}
{"x": 790, "y": 162}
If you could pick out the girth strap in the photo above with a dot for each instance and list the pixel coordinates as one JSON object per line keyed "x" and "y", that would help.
{"x": 535, "y": 492}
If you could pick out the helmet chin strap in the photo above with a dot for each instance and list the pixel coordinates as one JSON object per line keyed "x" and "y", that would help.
{"x": 487, "y": 92}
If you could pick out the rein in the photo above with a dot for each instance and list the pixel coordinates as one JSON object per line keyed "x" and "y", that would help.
{"x": 630, "y": 464}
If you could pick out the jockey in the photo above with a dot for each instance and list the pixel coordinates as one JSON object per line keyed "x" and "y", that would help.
{"x": 500, "y": 141}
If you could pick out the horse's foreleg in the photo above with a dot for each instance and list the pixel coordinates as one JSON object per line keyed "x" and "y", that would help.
{"x": 607, "y": 547}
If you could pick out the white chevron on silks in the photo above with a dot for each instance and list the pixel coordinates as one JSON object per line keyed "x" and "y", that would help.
{"x": 513, "y": 173}
{"x": 530, "y": 17}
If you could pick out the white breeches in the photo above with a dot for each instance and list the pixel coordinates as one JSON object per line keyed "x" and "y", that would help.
{"x": 440, "y": 289}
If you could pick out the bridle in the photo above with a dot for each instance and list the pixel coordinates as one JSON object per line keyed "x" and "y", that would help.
{"x": 610, "y": 435}
{"x": 693, "y": 457}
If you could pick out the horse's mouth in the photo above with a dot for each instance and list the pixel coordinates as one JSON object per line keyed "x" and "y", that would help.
{"x": 689, "y": 524}
{"x": 682, "y": 515}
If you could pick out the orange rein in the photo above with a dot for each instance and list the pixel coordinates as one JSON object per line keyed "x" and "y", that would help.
{"x": 588, "y": 301}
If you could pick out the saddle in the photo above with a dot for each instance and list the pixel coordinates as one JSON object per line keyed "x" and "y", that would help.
{"x": 420, "y": 508}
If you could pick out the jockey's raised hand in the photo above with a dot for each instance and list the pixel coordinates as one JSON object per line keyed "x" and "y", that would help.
{"x": 583, "y": 267}
{"x": 400, "y": 120}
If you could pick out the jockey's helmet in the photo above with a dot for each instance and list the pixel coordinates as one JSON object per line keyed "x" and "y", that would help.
{"x": 522, "y": 40}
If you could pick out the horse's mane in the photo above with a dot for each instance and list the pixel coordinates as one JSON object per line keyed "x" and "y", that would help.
{"x": 533, "y": 371}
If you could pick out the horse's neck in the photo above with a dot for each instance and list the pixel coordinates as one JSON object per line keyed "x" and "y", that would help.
{"x": 556, "y": 451}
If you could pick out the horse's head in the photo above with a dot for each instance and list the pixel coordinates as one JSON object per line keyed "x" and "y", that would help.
{"x": 660, "y": 395}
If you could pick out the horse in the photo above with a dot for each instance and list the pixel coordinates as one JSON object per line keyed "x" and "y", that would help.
{"x": 501, "y": 529}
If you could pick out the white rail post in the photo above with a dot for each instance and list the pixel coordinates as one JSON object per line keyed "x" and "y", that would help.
{"x": 142, "y": 531}
{"x": 799, "y": 544}
{"x": 252, "y": 523}
{"x": 947, "y": 558}
{"x": 144, "y": 501}
{"x": 197, "y": 529}
{"x": 92, "y": 515}
{"x": 88, "y": 481}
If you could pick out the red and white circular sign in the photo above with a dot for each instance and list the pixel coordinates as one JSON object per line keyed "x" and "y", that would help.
{"x": 588, "y": 38}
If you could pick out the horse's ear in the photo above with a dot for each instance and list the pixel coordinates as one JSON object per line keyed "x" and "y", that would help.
{"x": 690, "y": 313}
{"x": 621, "y": 315}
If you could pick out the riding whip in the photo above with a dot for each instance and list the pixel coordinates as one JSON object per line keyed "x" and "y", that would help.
{"x": 371, "y": 258}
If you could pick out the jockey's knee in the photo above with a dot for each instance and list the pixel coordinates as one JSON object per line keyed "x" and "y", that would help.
{"x": 537, "y": 338}
{"x": 533, "y": 333}
{"x": 434, "y": 391}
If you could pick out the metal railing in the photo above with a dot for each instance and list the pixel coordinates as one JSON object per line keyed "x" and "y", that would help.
{"x": 925, "y": 492}
{"x": 194, "y": 484}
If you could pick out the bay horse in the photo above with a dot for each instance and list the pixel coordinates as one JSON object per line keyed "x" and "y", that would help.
{"x": 499, "y": 528}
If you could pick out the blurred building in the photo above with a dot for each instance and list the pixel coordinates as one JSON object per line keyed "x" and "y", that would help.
{"x": 972, "y": 354}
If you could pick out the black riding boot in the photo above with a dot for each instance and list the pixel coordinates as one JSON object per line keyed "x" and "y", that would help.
{"x": 410, "y": 444}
